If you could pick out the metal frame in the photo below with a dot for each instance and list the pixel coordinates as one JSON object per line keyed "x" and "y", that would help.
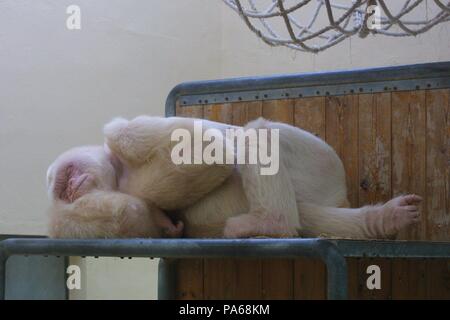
{"x": 409, "y": 77}
{"x": 11, "y": 236}
{"x": 331, "y": 252}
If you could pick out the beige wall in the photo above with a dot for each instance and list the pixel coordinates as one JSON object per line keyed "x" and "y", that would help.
{"x": 58, "y": 87}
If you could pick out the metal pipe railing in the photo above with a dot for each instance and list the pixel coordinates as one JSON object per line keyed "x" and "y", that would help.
{"x": 331, "y": 252}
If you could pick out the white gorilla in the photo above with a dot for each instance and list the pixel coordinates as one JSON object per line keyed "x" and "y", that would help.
{"x": 307, "y": 197}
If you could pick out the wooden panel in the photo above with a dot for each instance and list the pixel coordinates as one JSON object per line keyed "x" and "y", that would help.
{"x": 278, "y": 274}
{"x": 309, "y": 279}
{"x": 190, "y": 279}
{"x": 219, "y": 112}
{"x": 189, "y": 112}
{"x": 438, "y": 165}
{"x": 309, "y": 115}
{"x": 409, "y": 279}
{"x": 374, "y": 148}
{"x": 341, "y": 132}
{"x": 277, "y": 279}
{"x": 310, "y": 275}
{"x": 353, "y": 278}
{"x": 243, "y": 112}
{"x": 341, "y": 114}
{"x": 248, "y": 279}
{"x": 408, "y": 152}
{"x": 408, "y": 176}
{"x": 219, "y": 279}
{"x": 233, "y": 279}
{"x": 438, "y": 188}
{"x": 438, "y": 279}
{"x": 374, "y": 170}
{"x": 279, "y": 110}
{"x": 390, "y": 143}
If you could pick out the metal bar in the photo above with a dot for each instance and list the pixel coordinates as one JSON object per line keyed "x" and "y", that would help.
{"x": 337, "y": 273}
{"x": 331, "y": 252}
{"x": 361, "y": 76}
{"x": 191, "y": 248}
{"x": 3, "y": 259}
{"x": 167, "y": 248}
{"x": 167, "y": 279}
{"x": 252, "y": 248}
{"x": 315, "y": 91}
{"x": 217, "y": 248}
{"x": 393, "y": 249}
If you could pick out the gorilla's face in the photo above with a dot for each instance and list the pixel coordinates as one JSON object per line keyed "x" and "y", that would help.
{"x": 80, "y": 170}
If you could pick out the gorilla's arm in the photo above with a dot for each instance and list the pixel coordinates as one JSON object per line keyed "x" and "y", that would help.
{"x": 103, "y": 214}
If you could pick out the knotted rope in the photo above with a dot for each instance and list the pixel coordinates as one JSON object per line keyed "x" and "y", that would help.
{"x": 325, "y": 27}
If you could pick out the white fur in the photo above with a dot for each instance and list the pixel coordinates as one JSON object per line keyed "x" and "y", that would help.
{"x": 133, "y": 178}
{"x": 304, "y": 198}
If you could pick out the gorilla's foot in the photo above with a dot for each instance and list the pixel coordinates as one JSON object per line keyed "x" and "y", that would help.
{"x": 395, "y": 215}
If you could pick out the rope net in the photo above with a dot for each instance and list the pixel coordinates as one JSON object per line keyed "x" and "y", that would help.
{"x": 316, "y": 25}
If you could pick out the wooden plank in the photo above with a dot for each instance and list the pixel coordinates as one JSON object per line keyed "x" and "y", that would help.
{"x": 309, "y": 115}
{"x": 374, "y": 140}
{"x": 243, "y": 112}
{"x": 408, "y": 176}
{"x": 408, "y": 152}
{"x": 278, "y": 274}
{"x": 219, "y": 112}
{"x": 438, "y": 279}
{"x": 374, "y": 170}
{"x": 409, "y": 279}
{"x": 353, "y": 278}
{"x": 190, "y": 279}
{"x": 279, "y": 110}
{"x": 190, "y": 271}
{"x": 219, "y": 279}
{"x": 341, "y": 132}
{"x": 277, "y": 279}
{"x": 248, "y": 279}
{"x": 309, "y": 279}
{"x": 254, "y": 110}
{"x": 438, "y": 165}
{"x": 310, "y": 275}
{"x": 189, "y": 111}
{"x": 438, "y": 188}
